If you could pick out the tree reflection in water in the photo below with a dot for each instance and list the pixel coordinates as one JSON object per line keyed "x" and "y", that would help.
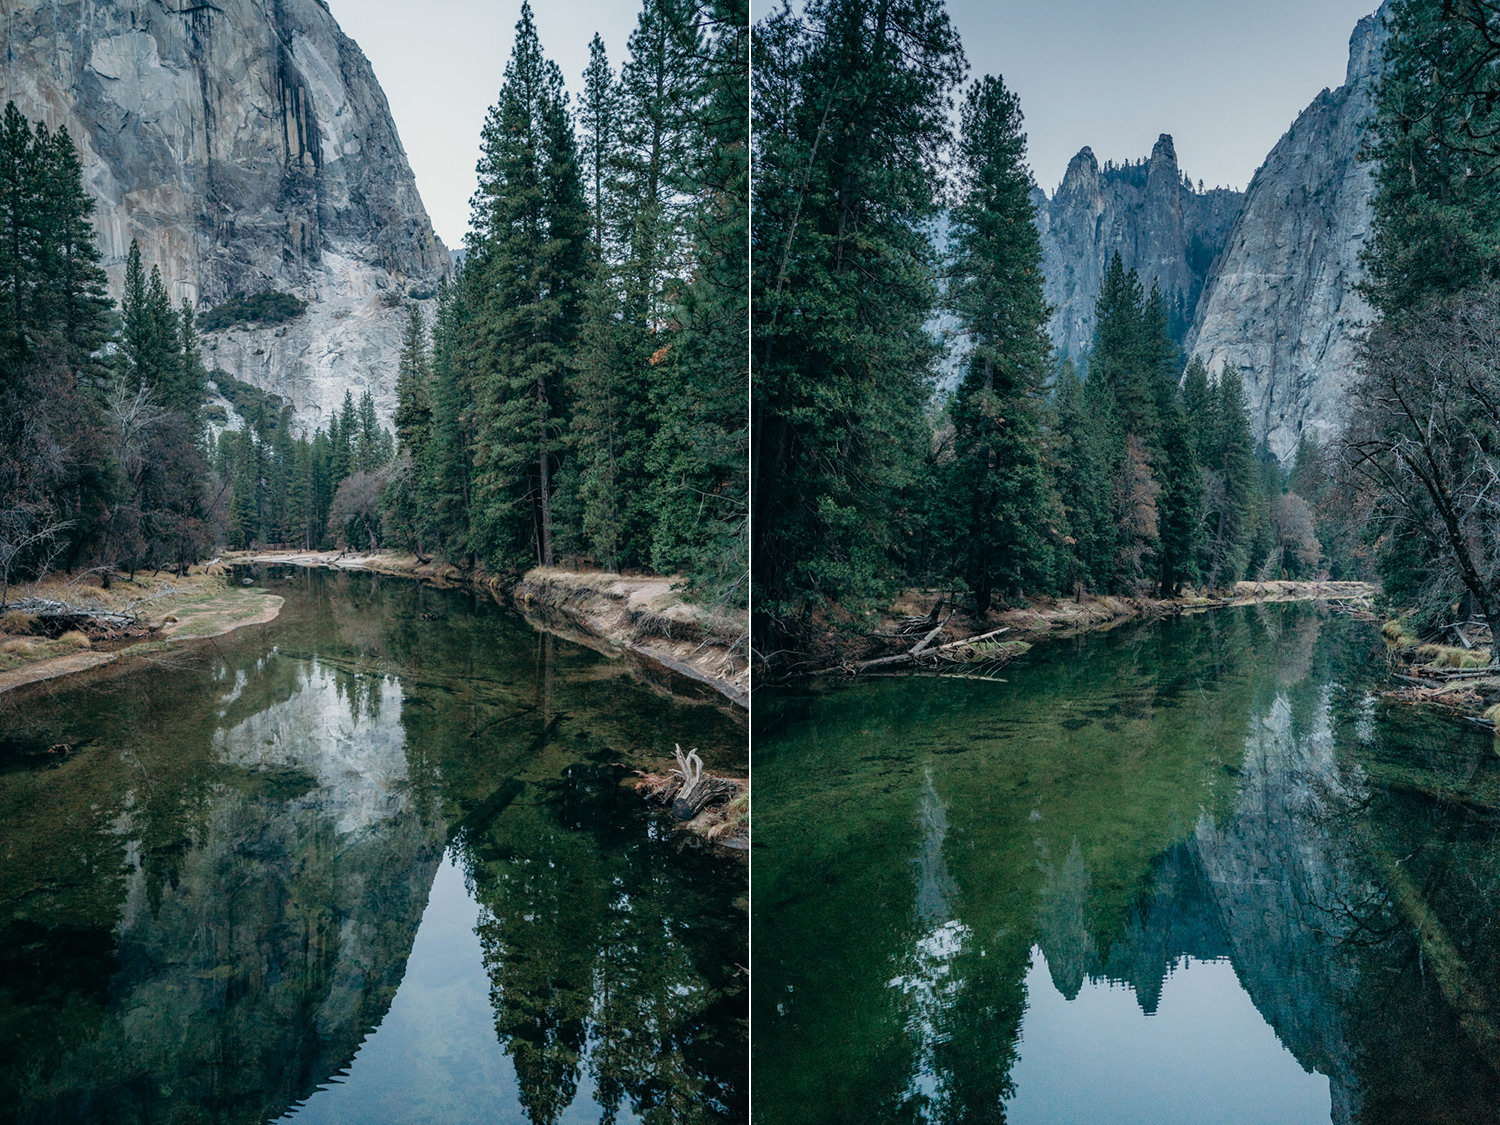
{"x": 1225, "y": 787}
{"x": 210, "y": 904}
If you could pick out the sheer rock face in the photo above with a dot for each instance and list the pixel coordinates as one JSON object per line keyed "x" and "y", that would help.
{"x": 248, "y": 147}
{"x": 1282, "y": 308}
{"x": 1160, "y": 225}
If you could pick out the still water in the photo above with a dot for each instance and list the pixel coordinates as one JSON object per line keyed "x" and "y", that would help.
{"x": 371, "y": 862}
{"x": 1196, "y": 871}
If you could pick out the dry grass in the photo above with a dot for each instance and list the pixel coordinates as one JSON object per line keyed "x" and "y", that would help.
{"x": 16, "y": 624}
{"x": 170, "y": 608}
{"x": 735, "y": 822}
{"x": 1447, "y": 656}
{"x": 1396, "y": 633}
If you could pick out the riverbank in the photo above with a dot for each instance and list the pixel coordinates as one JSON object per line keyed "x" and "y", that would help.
{"x": 642, "y": 618}
{"x": 920, "y": 629}
{"x": 169, "y": 610}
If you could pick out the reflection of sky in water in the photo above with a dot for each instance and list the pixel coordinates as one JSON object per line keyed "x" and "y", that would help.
{"x": 1099, "y": 1058}
{"x": 435, "y": 1057}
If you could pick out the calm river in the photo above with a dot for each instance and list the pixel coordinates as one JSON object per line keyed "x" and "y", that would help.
{"x": 371, "y": 862}
{"x": 1194, "y": 871}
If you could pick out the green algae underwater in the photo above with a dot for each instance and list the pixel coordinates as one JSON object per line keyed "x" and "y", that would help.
{"x": 1195, "y": 870}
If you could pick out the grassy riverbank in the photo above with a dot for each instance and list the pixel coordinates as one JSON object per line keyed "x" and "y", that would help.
{"x": 169, "y": 609}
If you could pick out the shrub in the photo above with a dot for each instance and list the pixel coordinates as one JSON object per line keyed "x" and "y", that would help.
{"x": 269, "y": 307}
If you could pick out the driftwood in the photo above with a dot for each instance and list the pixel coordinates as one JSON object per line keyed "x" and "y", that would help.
{"x": 908, "y": 657}
{"x": 59, "y": 617}
{"x": 1452, "y": 674}
{"x": 922, "y": 655}
{"x": 689, "y": 790}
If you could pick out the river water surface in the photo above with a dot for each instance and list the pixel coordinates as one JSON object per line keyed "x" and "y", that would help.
{"x": 1196, "y": 871}
{"x": 371, "y": 862}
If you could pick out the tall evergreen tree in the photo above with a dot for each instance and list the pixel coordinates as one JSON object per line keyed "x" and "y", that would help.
{"x": 413, "y": 418}
{"x": 599, "y": 120}
{"x": 1174, "y": 453}
{"x": 700, "y": 502}
{"x": 851, "y": 104}
{"x": 1435, "y": 141}
{"x": 1085, "y": 455}
{"x": 528, "y": 262}
{"x": 997, "y": 484}
{"x": 444, "y": 471}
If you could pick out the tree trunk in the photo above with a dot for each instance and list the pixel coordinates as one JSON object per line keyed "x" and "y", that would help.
{"x": 544, "y": 472}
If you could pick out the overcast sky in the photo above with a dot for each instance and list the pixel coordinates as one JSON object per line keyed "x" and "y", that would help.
{"x": 441, "y": 63}
{"x": 1224, "y": 78}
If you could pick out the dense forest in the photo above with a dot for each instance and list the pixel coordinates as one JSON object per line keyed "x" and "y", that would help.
{"x": 578, "y": 395}
{"x": 1421, "y": 457}
{"x": 1130, "y": 475}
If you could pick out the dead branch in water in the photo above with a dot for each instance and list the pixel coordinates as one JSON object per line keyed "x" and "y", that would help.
{"x": 688, "y": 790}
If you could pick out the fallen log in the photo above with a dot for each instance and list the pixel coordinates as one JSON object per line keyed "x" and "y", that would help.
{"x": 972, "y": 640}
{"x": 908, "y": 657}
{"x": 60, "y": 617}
{"x": 932, "y": 636}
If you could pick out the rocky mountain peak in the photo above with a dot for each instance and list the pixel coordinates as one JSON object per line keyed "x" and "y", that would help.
{"x": 247, "y": 147}
{"x": 1144, "y": 211}
{"x": 1082, "y": 176}
{"x": 1365, "y": 46}
{"x": 1283, "y": 308}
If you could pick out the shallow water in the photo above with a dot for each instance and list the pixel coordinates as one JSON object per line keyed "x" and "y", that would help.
{"x": 1185, "y": 872}
{"x": 371, "y": 862}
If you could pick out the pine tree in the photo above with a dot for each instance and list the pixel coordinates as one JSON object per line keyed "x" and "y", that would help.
{"x": 1436, "y": 227}
{"x": 851, "y": 103}
{"x": 1173, "y": 452}
{"x": 599, "y": 121}
{"x": 76, "y": 283}
{"x": 997, "y": 484}
{"x": 186, "y": 391}
{"x": 1085, "y": 453}
{"x": 700, "y": 501}
{"x": 444, "y": 473}
{"x": 413, "y": 417}
{"x": 1231, "y": 524}
{"x": 528, "y": 262}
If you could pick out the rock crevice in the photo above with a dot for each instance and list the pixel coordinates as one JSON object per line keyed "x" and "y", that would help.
{"x": 247, "y": 146}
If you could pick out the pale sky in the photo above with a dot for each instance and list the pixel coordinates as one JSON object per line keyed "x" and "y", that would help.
{"x": 441, "y": 63}
{"x": 1224, "y": 78}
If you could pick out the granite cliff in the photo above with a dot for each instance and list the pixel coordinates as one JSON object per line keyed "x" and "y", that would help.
{"x": 1282, "y": 307}
{"x": 247, "y": 146}
{"x": 1148, "y": 212}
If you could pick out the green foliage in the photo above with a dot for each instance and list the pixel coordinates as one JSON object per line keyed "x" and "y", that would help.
{"x": 1000, "y": 501}
{"x": 851, "y": 103}
{"x": 1437, "y": 209}
{"x": 261, "y": 410}
{"x": 585, "y": 390}
{"x": 699, "y": 453}
{"x": 57, "y": 477}
{"x": 523, "y": 280}
{"x": 268, "y": 307}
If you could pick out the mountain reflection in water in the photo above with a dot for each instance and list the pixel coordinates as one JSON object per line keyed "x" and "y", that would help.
{"x": 208, "y": 908}
{"x": 1211, "y": 818}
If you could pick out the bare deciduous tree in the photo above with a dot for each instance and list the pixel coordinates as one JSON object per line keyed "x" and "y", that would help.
{"x": 1424, "y": 443}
